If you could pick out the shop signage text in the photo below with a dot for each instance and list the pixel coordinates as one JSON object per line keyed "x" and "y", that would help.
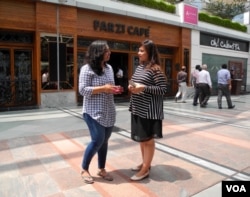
{"x": 120, "y": 28}
{"x": 223, "y": 42}
{"x": 216, "y": 42}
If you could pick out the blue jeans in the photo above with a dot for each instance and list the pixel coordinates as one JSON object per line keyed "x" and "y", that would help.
{"x": 99, "y": 142}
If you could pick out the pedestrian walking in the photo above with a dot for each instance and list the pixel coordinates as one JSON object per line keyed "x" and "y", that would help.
{"x": 205, "y": 85}
{"x": 224, "y": 86}
{"x": 195, "y": 84}
{"x": 182, "y": 85}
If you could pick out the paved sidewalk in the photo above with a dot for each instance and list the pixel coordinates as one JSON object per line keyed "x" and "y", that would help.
{"x": 41, "y": 152}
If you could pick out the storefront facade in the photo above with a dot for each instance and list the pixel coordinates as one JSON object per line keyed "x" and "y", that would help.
{"x": 43, "y": 43}
{"x": 217, "y": 49}
{"x": 42, "y": 49}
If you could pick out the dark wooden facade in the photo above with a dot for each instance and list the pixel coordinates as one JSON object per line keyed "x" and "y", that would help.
{"x": 38, "y": 18}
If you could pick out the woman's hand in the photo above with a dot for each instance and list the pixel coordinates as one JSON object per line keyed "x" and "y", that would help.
{"x": 137, "y": 89}
{"x": 112, "y": 89}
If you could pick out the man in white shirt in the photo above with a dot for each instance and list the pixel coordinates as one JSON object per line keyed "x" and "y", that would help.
{"x": 205, "y": 85}
{"x": 119, "y": 73}
{"x": 119, "y": 76}
{"x": 45, "y": 78}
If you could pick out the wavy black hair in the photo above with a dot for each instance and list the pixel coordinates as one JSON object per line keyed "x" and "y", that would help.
{"x": 95, "y": 55}
{"x": 152, "y": 51}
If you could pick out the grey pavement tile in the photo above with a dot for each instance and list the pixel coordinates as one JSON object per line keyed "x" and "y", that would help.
{"x": 67, "y": 178}
{"x": 86, "y": 191}
{"x": 8, "y": 170}
{"x": 30, "y": 166}
{"x": 12, "y": 187}
{"x": 48, "y": 173}
{"x": 21, "y": 149}
{"x": 53, "y": 162}
{"x": 39, "y": 184}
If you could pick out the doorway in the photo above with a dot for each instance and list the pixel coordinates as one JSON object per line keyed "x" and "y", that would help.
{"x": 120, "y": 61}
{"x": 16, "y": 84}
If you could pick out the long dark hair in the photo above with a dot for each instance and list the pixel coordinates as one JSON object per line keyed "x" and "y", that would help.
{"x": 94, "y": 55}
{"x": 153, "y": 54}
{"x": 153, "y": 62}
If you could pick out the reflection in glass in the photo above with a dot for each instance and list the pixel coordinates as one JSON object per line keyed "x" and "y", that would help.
{"x": 49, "y": 64}
{"x": 119, "y": 45}
{"x": 165, "y": 50}
{"x": 80, "y": 62}
{"x": 22, "y": 69}
{"x": 5, "y": 89}
{"x": 16, "y": 37}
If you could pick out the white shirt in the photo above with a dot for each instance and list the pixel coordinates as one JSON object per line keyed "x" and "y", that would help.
{"x": 45, "y": 77}
{"x": 119, "y": 73}
{"x": 204, "y": 77}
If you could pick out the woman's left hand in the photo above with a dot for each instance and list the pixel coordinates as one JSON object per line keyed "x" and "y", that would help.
{"x": 139, "y": 88}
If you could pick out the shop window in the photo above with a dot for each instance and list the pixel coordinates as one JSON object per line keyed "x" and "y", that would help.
{"x": 119, "y": 45}
{"x": 16, "y": 85}
{"x": 135, "y": 47}
{"x": 16, "y": 37}
{"x": 57, "y": 62}
{"x": 165, "y": 50}
{"x": 135, "y": 63}
{"x": 186, "y": 58}
{"x": 5, "y": 88}
{"x": 85, "y": 42}
{"x": 162, "y": 49}
{"x": 236, "y": 69}
{"x": 80, "y": 63}
{"x": 23, "y": 75}
{"x": 168, "y": 68}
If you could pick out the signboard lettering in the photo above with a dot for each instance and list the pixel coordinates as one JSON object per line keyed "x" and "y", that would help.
{"x": 223, "y": 42}
{"x": 120, "y": 28}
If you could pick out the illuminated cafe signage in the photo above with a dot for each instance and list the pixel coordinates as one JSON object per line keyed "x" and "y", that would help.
{"x": 223, "y": 42}
{"x": 117, "y": 28}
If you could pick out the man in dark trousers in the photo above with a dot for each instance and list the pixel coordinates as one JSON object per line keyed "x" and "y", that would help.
{"x": 205, "y": 85}
{"x": 224, "y": 86}
{"x": 195, "y": 83}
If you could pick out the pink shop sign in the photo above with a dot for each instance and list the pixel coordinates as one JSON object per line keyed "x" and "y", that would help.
{"x": 190, "y": 14}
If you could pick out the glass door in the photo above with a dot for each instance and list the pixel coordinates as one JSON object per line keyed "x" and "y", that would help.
{"x": 5, "y": 88}
{"x": 16, "y": 84}
{"x": 23, "y": 75}
{"x": 80, "y": 62}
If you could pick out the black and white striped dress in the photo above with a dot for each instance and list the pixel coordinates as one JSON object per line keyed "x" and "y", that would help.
{"x": 147, "y": 107}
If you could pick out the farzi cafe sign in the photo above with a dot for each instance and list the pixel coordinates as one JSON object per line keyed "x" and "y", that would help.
{"x": 223, "y": 42}
{"x": 117, "y": 28}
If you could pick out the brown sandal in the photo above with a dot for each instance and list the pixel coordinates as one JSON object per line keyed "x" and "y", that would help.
{"x": 87, "y": 179}
{"x": 105, "y": 175}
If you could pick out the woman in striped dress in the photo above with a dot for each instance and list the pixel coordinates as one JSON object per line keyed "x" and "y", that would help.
{"x": 148, "y": 87}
